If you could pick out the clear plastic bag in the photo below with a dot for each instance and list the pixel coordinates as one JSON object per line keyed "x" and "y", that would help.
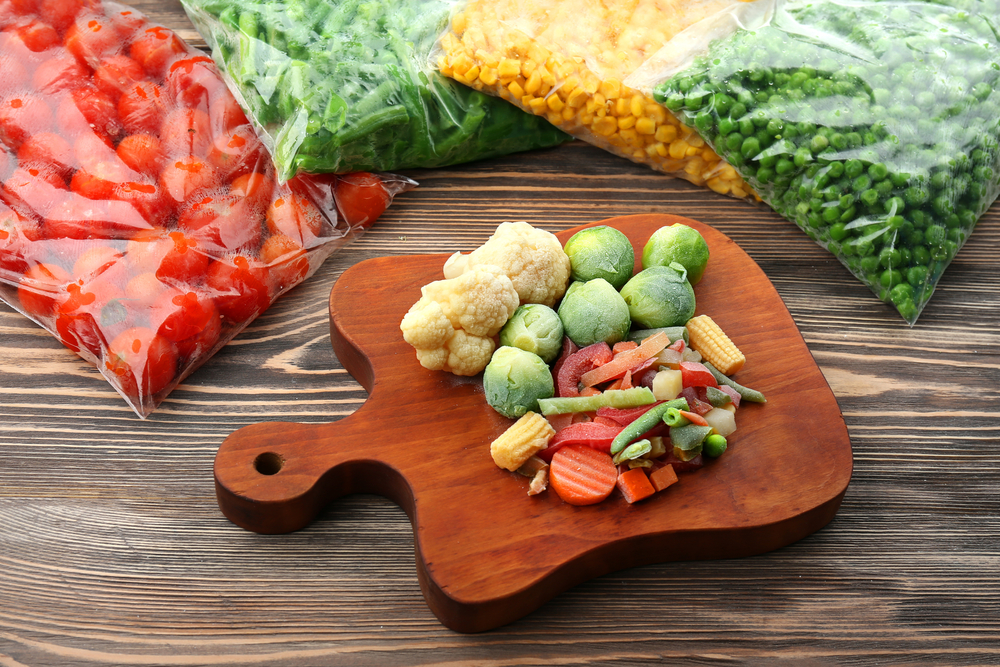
{"x": 140, "y": 219}
{"x": 874, "y": 126}
{"x": 569, "y": 61}
{"x": 346, "y": 86}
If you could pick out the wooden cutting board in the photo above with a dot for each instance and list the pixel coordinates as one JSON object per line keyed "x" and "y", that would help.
{"x": 486, "y": 552}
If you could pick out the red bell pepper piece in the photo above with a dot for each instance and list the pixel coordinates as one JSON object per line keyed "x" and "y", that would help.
{"x": 575, "y": 365}
{"x": 568, "y": 348}
{"x": 626, "y": 416}
{"x": 694, "y": 374}
{"x": 697, "y": 400}
{"x": 591, "y": 434}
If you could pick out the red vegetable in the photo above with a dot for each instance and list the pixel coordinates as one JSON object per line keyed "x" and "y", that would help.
{"x": 568, "y": 348}
{"x": 586, "y": 359}
{"x": 662, "y": 477}
{"x": 634, "y": 485}
{"x": 588, "y": 434}
{"x": 694, "y": 374}
{"x": 626, "y": 416}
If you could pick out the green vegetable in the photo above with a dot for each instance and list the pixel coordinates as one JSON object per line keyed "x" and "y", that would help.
{"x": 746, "y": 393}
{"x": 660, "y": 296}
{"x": 717, "y": 397}
{"x": 715, "y": 445}
{"x": 515, "y": 380}
{"x": 594, "y": 311}
{"x": 601, "y": 252}
{"x": 535, "y": 328}
{"x": 347, "y": 86}
{"x": 613, "y": 398}
{"x": 677, "y": 243}
{"x": 636, "y": 450}
{"x": 687, "y": 440}
{"x": 871, "y": 125}
{"x": 648, "y": 420}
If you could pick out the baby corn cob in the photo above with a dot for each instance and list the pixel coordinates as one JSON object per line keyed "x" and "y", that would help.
{"x": 526, "y": 437}
{"x": 714, "y": 345}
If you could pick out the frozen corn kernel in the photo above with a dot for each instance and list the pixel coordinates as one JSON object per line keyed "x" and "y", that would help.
{"x": 714, "y": 345}
{"x": 645, "y": 126}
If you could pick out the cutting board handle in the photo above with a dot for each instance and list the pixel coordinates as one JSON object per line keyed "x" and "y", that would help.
{"x": 275, "y": 477}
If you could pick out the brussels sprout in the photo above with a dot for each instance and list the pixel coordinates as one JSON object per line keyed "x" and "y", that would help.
{"x": 594, "y": 311}
{"x": 601, "y": 252}
{"x": 677, "y": 243}
{"x": 514, "y": 380}
{"x": 535, "y": 328}
{"x": 659, "y": 296}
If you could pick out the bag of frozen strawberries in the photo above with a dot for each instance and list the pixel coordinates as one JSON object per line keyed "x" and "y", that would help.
{"x": 140, "y": 219}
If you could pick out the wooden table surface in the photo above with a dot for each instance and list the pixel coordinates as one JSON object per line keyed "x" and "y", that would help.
{"x": 113, "y": 549}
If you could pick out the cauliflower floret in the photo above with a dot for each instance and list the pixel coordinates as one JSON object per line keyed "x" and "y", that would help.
{"x": 463, "y": 354}
{"x": 453, "y": 323}
{"x": 532, "y": 258}
{"x": 479, "y": 301}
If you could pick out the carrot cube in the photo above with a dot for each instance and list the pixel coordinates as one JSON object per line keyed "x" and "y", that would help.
{"x": 662, "y": 478}
{"x": 634, "y": 485}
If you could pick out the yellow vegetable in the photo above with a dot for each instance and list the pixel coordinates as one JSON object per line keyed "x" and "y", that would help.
{"x": 567, "y": 60}
{"x": 714, "y": 345}
{"x": 526, "y": 437}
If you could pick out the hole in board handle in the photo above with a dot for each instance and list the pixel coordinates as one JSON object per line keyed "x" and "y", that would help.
{"x": 268, "y": 463}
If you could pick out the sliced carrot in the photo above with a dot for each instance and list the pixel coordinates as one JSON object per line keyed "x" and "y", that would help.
{"x": 624, "y": 346}
{"x": 627, "y": 380}
{"x": 663, "y": 477}
{"x": 581, "y": 475}
{"x": 626, "y": 360}
{"x": 694, "y": 418}
{"x": 617, "y": 384}
{"x": 634, "y": 485}
{"x": 589, "y": 391}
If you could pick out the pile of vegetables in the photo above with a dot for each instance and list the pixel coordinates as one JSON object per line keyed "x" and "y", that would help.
{"x": 637, "y": 389}
{"x": 347, "y": 86}
{"x": 873, "y": 126}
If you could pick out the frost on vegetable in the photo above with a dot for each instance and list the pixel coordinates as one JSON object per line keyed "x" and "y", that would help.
{"x": 453, "y": 324}
{"x": 532, "y": 258}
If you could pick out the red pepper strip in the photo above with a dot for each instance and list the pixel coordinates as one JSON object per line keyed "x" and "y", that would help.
{"x": 590, "y": 434}
{"x": 694, "y": 374}
{"x": 696, "y": 399}
{"x": 677, "y": 345}
{"x": 575, "y": 365}
{"x": 626, "y": 416}
{"x": 658, "y": 431}
{"x": 733, "y": 394}
{"x": 606, "y": 422}
{"x": 568, "y": 348}
{"x": 559, "y": 422}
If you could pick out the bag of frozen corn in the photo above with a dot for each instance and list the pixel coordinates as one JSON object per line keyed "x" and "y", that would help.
{"x": 568, "y": 61}
{"x": 873, "y": 125}
{"x": 335, "y": 86}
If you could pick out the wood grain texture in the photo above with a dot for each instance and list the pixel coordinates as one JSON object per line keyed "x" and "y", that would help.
{"x": 486, "y": 553}
{"x": 113, "y": 550}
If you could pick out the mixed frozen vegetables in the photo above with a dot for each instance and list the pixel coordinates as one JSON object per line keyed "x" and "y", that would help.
{"x": 622, "y": 405}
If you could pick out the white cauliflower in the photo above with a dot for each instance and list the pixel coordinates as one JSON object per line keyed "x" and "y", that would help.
{"x": 453, "y": 324}
{"x": 532, "y": 258}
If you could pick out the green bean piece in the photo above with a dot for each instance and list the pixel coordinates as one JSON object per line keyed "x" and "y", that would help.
{"x": 717, "y": 397}
{"x": 673, "y": 417}
{"x": 636, "y": 450}
{"x": 644, "y": 423}
{"x": 745, "y": 393}
{"x": 613, "y": 398}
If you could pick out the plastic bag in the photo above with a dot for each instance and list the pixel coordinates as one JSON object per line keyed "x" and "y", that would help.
{"x": 872, "y": 125}
{"x": 140, "y": 221}
{"x": 346, "y": 85}
{"x": 568, "y": 61}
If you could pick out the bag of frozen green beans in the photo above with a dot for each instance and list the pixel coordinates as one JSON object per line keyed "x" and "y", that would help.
{"x": 337, "y": 86}
{"x": 873, "y": 125}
